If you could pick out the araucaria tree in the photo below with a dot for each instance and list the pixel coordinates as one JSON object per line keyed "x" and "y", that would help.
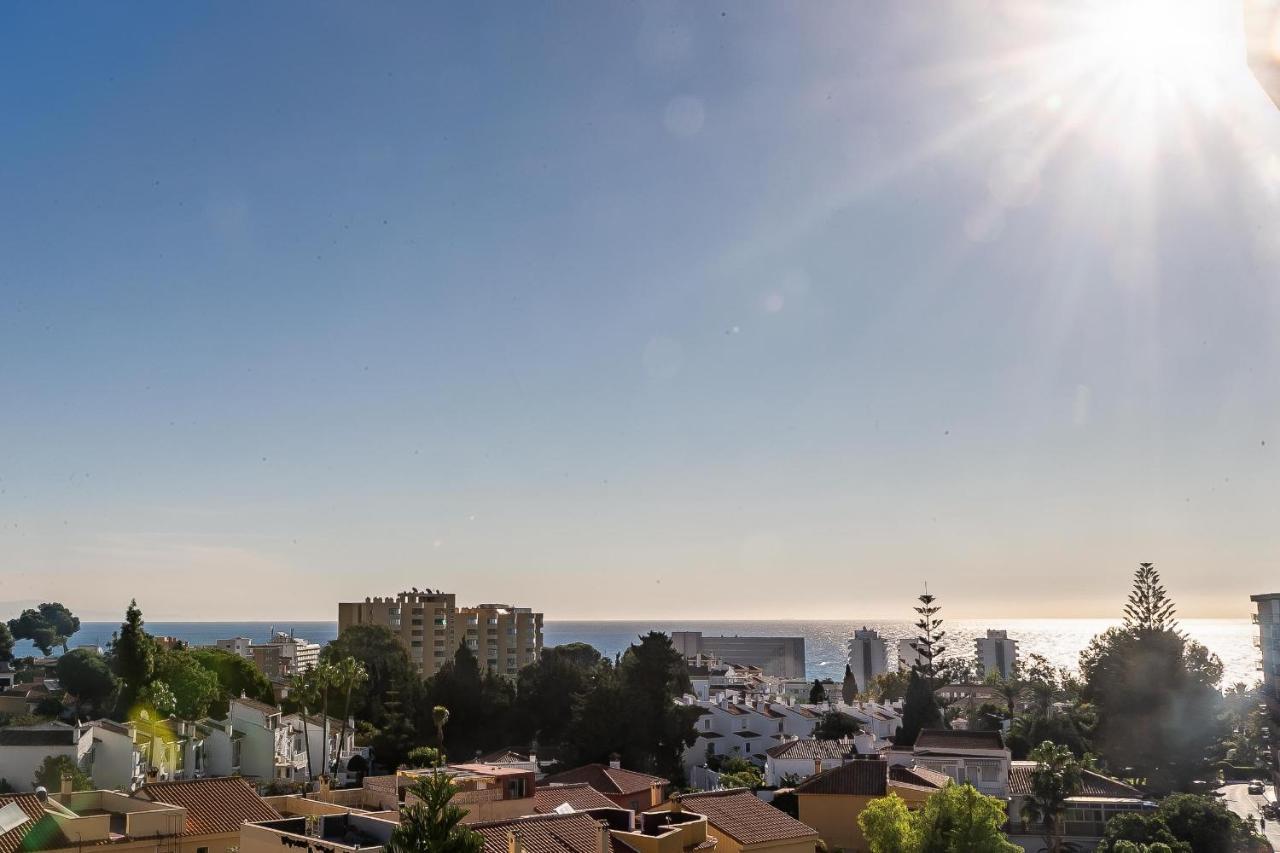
{"x": 1155, "y": 691}
{"x": 430, "y": 823}
{"x": 919, "y": 705}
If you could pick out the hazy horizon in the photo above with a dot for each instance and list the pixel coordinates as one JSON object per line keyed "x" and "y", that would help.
{"x": 760, "y": 311}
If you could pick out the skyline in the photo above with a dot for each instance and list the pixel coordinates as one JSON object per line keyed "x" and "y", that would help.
{"x": 798, "y": 308}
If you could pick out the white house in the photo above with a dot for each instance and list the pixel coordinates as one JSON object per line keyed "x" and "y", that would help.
{"x": 996, "y": 653}
{"x": 24, "y": 748}
{"x": 804, "y": 757}
{"x": 977, "y": 757}
{"x": 868, "y": 656}
{"x": 117, "y": 761}
{"x": 269, "y": 748}
{"x": 237, "y": 645}
{"x": 322, "y": 734}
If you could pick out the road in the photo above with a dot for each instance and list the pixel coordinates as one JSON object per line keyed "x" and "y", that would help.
{"x": 1237, "y": 798}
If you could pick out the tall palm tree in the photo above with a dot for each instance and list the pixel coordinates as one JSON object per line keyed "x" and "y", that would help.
{"x": 1057, "y": 776}
{"x": 325, "y": 676}
{"x": 350, "y": 674}
{"x": 440, "y": 716}
{"x": 302, "y": 688}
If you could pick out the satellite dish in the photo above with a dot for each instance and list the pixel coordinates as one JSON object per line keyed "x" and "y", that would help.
{"x": 41, "y": 794}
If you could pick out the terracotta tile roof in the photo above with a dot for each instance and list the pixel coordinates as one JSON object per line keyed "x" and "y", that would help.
{"x": 804, "y": 712}
{"x": 731, "y": 708}
{"x": 607, "y": 780}
{"x": 579, "y": 796}
{"x": 811, "y": 749}
{"x": 215, "y": 806}
{"x": 861, "y": 777}
{"x": 958, "y": 739}
{"x": 571, "y": 833}
{"x": 504, "y": 756}
{"x": 920, "y": 777}
{"x": 770, "y": 711}
{"x": 11, "y": 841}
{"x": 742, "y": 816}
{"x": 1093, "y": 784}
{"x": 111, "y": 726}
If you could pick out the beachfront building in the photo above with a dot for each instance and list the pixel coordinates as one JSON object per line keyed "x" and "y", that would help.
{"x": 997, "y": 654}
{"x": 1268, "y": 641}
{"x": 281, "y": 657}
{"x": 868, "y": 656}
{"x": 907, "y": 655}
{"x": 780, "y": 657}
{"x": 431, "y": 627}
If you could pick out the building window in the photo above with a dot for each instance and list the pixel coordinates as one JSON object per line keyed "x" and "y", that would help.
{"x": 202, "y": 850}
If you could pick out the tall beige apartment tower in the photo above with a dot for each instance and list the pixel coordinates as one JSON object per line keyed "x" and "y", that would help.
{"x": 431, "y": 626}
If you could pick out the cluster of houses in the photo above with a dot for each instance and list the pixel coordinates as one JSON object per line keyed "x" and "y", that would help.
{"x": 516, "y": 808}
{"x": 255, "y": 739}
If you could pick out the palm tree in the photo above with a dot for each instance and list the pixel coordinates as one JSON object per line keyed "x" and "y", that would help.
{"x": 350, "y": 674}
{"x": 326, "y": 676}
{"x": 302, "y": 690}
{"x": 440, "y": 716}
{"x": 1056, "y": 777}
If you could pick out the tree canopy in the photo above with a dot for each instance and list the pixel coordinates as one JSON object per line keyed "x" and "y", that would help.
{"x": 431, "y": 823}
{"x": 956, "y": 819}
{"x": 132, "y": 656}
{"x": 6, "y": 642}
{"x": 50, "y": 772}
{"x": 84, "y": 674}
{"x": 1147, "y": 677}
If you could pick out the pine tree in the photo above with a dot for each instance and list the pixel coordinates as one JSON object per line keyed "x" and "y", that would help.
{"x": 928, "y": 643}
{"x": 849, "y": 687}
{"x": 133, "y": 656}
{"x": 1149, "y": 607}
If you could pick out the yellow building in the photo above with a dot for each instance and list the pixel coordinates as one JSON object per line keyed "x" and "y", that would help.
{"x": 431, "y": 627}
{"x": 742, "y": 823}
{"x": 832, "y": 801}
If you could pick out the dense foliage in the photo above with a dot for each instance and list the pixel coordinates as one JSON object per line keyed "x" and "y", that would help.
{"x": 1187, "y": 823}
{"x": 50, "y": 772}
{"x": 430, "y": 823}
{"x": 956, "y": 819}
{"x": 1145, "y": 676}
{"x": 49, "y": 626}
{"x": 85, "y": 675}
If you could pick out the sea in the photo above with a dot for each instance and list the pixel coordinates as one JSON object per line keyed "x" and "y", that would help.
{"x": 1059, "y": 640}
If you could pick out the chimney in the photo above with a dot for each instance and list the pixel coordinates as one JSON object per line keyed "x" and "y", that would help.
{"x": 65, "y": 789}
{"x": 514, "y": 843}
{"x": 615, "y": 761}
{"x": 603, "y": 829}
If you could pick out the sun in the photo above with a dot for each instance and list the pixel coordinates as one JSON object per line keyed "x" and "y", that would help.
{"x": 1176, "y": 41}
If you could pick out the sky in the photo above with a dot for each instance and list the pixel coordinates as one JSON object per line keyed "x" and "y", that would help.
{"x": 633, "y": 310}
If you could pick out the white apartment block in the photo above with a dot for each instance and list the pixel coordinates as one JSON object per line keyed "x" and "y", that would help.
{"x": 868, "y": 656}
{"x": 1268, "y": 641}
{"x": 907, "y": 655}
{"x": 996, "y": 653}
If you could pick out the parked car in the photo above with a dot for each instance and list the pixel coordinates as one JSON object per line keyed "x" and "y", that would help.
{"x": 1256, "y": 787}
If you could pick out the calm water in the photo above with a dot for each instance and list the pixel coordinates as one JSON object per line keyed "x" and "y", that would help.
{"x": 1059, "y": 640}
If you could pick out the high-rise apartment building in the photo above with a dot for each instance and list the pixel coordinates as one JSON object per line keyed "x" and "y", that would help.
{"x": 868, "y": 656}
{"x": 431, "y": 627}
{"x": 997, "y": 653}
{"x": 782, "y": 657}
{"x": 1268, "y": 642}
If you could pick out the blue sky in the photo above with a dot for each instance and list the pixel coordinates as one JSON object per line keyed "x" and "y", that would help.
{"x": 634, "y": 310}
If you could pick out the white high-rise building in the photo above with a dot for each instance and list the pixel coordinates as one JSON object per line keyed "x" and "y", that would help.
{"x": 907, "y": 655}
{"x": 868, "y": 656}
{"x": 997, "y": 653}
{"x": 1268, "y": 642}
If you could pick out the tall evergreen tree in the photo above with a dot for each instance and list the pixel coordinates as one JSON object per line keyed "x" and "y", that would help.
{"x": 431, "y": 823}
{"x": 133, "y": 657}
{"x": 928, "y": 642}
{"x": 849, "y": 687}
{"x": 1149, "y": 607}
{"x": 817, "y": 693}
{"x": 6, "y": 642}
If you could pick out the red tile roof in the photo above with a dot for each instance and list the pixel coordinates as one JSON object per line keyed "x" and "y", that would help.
{"x": 742, "y": 816}
{"x": 608, "y": 780}
{"x": 860, "y": 778}
{"x": 570, "y": 833}
{"x": 580, "y": 797}
{"x": 946, "y": 739}
{"x": 1092, "y": 784}
{"x": 11, "y": 841}
{"x": 214, "y": 806}
{"x": 811, "y": 749}
{"x": 920, "y": 777}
